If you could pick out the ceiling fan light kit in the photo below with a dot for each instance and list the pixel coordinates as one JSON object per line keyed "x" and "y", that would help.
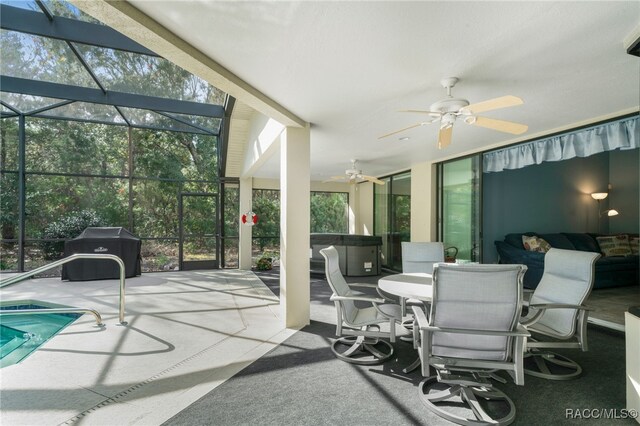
{"x": 354, "y": 175}
{"x": 449, "y": 109}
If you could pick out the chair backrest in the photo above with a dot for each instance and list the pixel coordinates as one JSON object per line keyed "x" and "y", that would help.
{"x": 567, "y": 278}
{"x": 475, "y": 297}
{"x": 337, "y": 282}
{"x": 420, "y": 257}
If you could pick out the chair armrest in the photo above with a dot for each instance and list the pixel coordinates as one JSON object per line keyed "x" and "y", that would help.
{"x": 559, "y": 306}
{"x": 536, "y": 310}
{"x": 420, "y": 316}
{"x": 367, "y": 285}
{"x": 519, "y": 331}
{"x": 363, "y": 298}
{"x": 423, "y": 323}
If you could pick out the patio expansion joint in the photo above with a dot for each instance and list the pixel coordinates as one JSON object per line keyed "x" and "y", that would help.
{"x": 119, "y": 397}
{"x": 137, "y": 386}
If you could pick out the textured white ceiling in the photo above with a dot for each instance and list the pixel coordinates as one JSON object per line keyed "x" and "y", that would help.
{"x": 348, "y": 67}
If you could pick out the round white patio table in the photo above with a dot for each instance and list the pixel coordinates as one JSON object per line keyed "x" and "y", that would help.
{"x": 410, "y": 286}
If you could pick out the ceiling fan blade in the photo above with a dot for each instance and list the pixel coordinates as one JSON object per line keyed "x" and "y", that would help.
{"x": 501, "y": 125}
{"x": 444, "y": 137}
{"x": 372, "y": 179}
{"x": 419, "y": 111}
{"x": 335, "y": 178}
{"x": 402, "y": 130}
{"x": 491, "y": 104}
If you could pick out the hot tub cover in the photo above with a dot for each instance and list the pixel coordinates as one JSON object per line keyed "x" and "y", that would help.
{"x": 104, "y": 240}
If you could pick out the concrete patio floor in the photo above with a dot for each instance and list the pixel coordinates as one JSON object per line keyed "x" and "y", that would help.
{"x": 187, "y": 333}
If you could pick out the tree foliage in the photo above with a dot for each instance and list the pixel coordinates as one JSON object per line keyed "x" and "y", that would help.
{"x": 330, "y": 212}
{"x": 80, "y": 174}
{"x": 69, "y": 226}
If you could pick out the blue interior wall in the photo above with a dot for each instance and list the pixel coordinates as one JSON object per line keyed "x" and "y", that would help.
{"x": 554, "y": 197}
{"x": 624, "y": 176}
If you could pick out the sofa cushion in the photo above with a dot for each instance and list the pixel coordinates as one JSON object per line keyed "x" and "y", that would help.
{"x": 617, "y": 263}
{"x": 536, "y": 244}
{"x": 558, "y": 241}
{"x": 634, "y": 243}
{"x": 583, "y": 242}
{"x": 516, "y": 239}
{"x": 614, "y": 245}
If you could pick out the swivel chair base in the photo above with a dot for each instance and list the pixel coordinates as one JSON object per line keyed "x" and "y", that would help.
{"x": 363, "y": 350}
{"x": 407, "y": 325}
{"x": 562, "y": 368}
{"x": 467, "y": 395}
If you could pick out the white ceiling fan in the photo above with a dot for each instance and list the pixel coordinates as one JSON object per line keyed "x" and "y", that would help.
{"x": 354, "y": 175}
{"x": 447, "y": 111}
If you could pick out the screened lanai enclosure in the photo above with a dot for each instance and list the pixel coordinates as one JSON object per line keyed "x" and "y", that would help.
{"x": 97, "y": 130}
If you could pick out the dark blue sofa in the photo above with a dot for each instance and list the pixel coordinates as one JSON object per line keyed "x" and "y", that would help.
{"x": 612, "y": 271}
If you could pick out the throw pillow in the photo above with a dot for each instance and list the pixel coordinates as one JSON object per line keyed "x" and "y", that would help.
{"x": 634, "y": 242}
{"x": 614, "y": 245}
{"x": 536, "y": 244}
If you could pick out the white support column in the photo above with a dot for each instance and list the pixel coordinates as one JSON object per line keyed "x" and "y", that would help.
{"x": 423, "y": 202}
{"x": 244, "y": 242}
{"x": 354, "y": 208}
{"x": 294, "y": 226}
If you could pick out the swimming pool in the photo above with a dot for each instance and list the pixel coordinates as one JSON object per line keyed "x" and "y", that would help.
{"x": 21, "y": 335}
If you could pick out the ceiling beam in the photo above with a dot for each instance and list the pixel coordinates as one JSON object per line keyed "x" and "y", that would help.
{"x": 87, "y": 94}
{"x": 36, "y": 23}
{"x": 130, "y": 21}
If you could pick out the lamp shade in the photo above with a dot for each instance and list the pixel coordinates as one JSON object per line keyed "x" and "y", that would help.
{"x": 599, "y": 195}
{"x": 612, "y": 212}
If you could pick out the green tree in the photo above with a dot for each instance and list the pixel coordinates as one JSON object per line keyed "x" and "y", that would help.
{"x": 329, "y": 212}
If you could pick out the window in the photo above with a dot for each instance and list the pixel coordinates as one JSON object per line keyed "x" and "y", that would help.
{"x": 459, "y": 200}
{"x": 392, "y": 217}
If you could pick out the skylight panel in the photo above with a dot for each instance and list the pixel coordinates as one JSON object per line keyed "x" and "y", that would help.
{"x": 6, "y": 111}
{"x": 150, "y": 119}
{"x": 22, "y": 4}
{"x": 27, "y": 103}
{"x": 210, "y": 124}
{"x": 40, "y": 58}
{"x": 86, "y": 111}
{"x": 67, "y": 10}
{"x": 147, "y": 75}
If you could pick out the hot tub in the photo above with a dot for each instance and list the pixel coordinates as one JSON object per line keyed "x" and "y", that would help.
{"x": 359, "y": 254}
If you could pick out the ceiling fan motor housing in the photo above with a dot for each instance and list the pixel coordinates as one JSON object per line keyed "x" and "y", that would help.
{"x": 449, "y": 105}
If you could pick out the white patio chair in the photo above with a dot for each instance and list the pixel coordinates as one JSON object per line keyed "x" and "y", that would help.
{"x": 360, "y": 326}
{"x": 557, "y": 310}
{"x": 472, "y": 332}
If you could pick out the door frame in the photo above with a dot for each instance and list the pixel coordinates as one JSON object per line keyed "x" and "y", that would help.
{"x": 191, "y": 265}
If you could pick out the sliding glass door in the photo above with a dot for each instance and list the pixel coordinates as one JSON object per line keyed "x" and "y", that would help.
{"x": 459, "y": 202}
{"x": 392, "y": 213}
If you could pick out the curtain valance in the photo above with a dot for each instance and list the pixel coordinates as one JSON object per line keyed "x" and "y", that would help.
{"x": 622, "y": 134}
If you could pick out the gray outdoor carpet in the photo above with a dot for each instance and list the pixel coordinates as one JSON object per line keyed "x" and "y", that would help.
{"x": 302, "y": 383}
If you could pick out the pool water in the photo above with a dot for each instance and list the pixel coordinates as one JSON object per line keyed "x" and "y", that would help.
{"x": 21, "y": 335}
